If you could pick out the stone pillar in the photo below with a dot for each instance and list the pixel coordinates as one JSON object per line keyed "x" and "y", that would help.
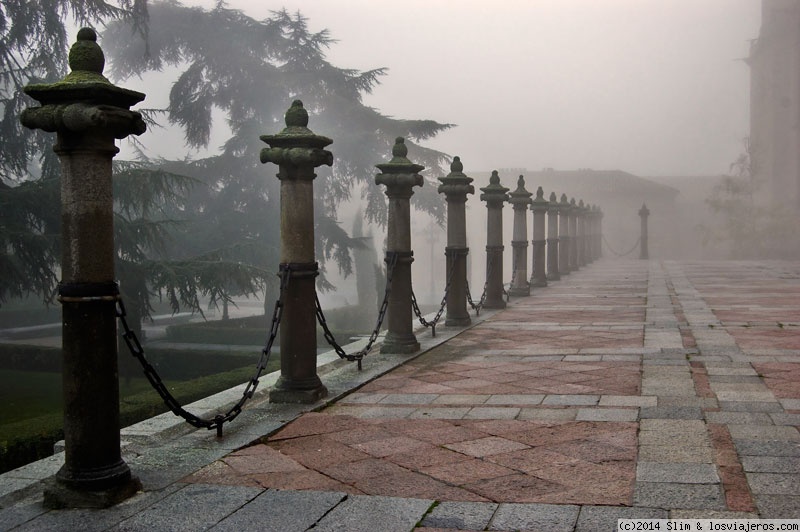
{"x": 580, "y": 227}
{"x": 573, "y": 235}
{"x": 599, "y": 235}
{"x": 520, "y": 199}
{"x": 564, "y": 245}
{"x": 643, "y": 214}
{"x": 495, "y": 195}
{"x": 400, "y": 176}
{"x": 297, "y": 151}
{"x": 552, "y": 238}
{"x": 539, "y": 208}
{"x": 87, "y": 112}
{"x": 455, "y": 186}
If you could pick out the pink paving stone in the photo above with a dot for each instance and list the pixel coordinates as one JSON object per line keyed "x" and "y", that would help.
{"x": 594, "y": 451}
{"x": 488, "y": 446}
{"x": 315, "y": 423}
{"x": 782, "y": 378}
{"x": 427, "y": 457}
{"x": 389, "y": 446}
{"x": 532, "y": 459}
{"x": 317, "y": 451}
{"x": 352, "y": 472}
{"x": 220, "y": 473}
{"x": 360, "y": 434}
{"x": 415, "y": 485}
{"x": 301, "y": 480}
{"x": 267, "y": 461}
{"x": 517, "y": 488}
{"x": 466, "y": 472}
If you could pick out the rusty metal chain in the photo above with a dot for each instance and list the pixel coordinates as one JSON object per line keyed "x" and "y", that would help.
{"x": 136, "y": 349}
{"x": 418, "y": 312}
{"x": 391, "y": 261}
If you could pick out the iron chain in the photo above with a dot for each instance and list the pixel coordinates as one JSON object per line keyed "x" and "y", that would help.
{"x": 391, "y": 261}
{"x": 479, "y": 305}
{"x": 418, "y": 312}
{"x": 136, "y": 349}
{"x": 622, "y": 254}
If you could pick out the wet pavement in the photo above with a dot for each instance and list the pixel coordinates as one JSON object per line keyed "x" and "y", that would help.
{"x": 627, "y": 389}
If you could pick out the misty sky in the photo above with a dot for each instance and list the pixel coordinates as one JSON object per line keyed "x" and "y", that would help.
{"x": 653, "y": 87}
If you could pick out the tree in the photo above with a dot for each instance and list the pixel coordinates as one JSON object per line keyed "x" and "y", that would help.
{"x": 213, "y": 234}
{"x": 751, "y": 227}
{"x": 33, "y": 49}
{"x": 251, "y": 70}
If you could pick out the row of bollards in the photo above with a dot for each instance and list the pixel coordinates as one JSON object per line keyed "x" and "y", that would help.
{"x": 88, "y": 113}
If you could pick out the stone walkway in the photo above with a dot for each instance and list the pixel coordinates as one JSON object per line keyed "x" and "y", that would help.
{"x": 627, "y": 389}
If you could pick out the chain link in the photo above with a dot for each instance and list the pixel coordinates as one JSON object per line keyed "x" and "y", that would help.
{"x": 136, "y": 349}
{"x": 391, "y": 262}
{"x": 622, "y": 254}
{"x": 479, "y": 305}
{"x": 418, "y": 312}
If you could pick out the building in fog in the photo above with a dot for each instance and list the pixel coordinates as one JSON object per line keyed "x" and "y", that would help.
{"x": 775, "y": 102}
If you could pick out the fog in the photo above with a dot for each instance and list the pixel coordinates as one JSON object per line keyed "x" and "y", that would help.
{"x": 652, "y": 87}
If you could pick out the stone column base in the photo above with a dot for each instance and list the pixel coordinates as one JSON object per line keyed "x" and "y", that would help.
{"x": 457, "y": 321}
{"x": 403, "y": 345}
{"x": 520, "y": 291}
{"x": 58, "y": 495}
{"x": 285, "y": 391}
{"x": 553, "y": 276}
{"x": 538, "y": 283}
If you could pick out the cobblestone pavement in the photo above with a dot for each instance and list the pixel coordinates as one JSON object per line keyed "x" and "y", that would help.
{"x": 627, "y": 389}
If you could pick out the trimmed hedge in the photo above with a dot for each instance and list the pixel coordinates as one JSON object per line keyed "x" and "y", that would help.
{"x": 25, "y": 441}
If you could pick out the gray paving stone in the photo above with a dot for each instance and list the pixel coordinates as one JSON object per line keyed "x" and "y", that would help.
{"x": 749, "y": 379}
{"x": 492, "y": 412}
{"x": 764, "y": 432}
{"x": 671, "y": 412}
{"x": 280, "y": 511}
{"x": 702, "y": 402}
{"x": 778, "y": 506}
{"x": 773, "y": 483}
{"x": 744, "y": 396}
{"x": 440, "y": 413}
{"x": 194, "y": 507}
{"x": 532, "y": 399}
{"x": 539, "y": 517}
{"x": 550, "y": 414}
{"x": 739, "y": 418}
{"x": 94, "y": 520}
{"x": 790, "y": 404}
{"x": 786, "y": 419}
{"x": 684, "y": 473}
{"x": 767, "y": 448}
{"x": 460, "y": 399}
{"x": 771, "y": 464}
{"x": 604, "y": 518}
{"x": 607, "y": 414}
{"x": 750, "y": 406}
{"x": 362, "y": 513}
{"x": 409, "y": 398}
{"x": 461, "y": 515}
{"x": 21, "y": 512}
{"x": 628, "y": 400}
{"x": 571, "y": 400}
{"x": 673, "y": 495}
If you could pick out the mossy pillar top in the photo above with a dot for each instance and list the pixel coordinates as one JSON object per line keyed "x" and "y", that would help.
{"x": 400, "y": 176}
{"x": 88, "y": 113}
{"x": 455, "y": 186}
{"x": 297, "y": 151}
{"x": 495, "y": 195}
